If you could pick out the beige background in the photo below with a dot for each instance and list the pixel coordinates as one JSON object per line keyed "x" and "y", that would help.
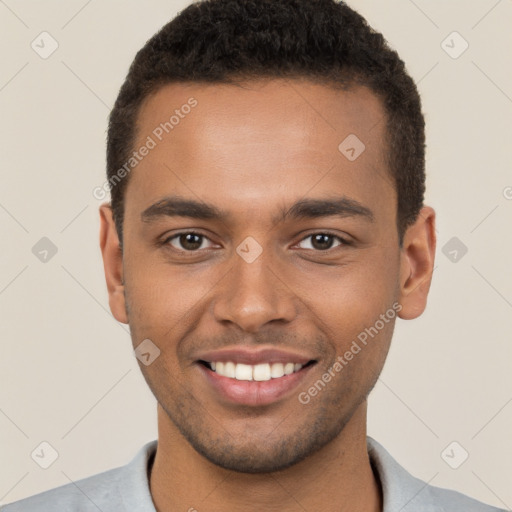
{"x": 67, "y": 372}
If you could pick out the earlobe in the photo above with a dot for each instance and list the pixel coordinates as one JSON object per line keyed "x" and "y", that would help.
{"x": 417, "y": 264}
{"x": 112, "y": 263}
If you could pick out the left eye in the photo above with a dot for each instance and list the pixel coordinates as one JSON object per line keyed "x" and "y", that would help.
{"x": 323, "y": 241}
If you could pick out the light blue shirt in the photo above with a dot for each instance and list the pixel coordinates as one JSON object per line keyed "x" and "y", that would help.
{"x": 126, "y": 489}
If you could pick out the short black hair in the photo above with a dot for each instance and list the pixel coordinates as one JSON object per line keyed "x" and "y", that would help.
{"x": 230, "y": 41}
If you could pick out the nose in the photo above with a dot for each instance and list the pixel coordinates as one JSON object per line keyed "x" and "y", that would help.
{"x": 253, "y": 294}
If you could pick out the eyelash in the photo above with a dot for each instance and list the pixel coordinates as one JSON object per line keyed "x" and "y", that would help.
{"x": 191, "y": 232}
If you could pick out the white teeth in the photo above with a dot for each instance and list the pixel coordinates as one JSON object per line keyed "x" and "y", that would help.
{"x": 243, "y": 372}
{"x": 259, "y": 372}
{"x": 277, "y": 370}
{"x": 230, "y": 369}
{"x": 289, "y": 368}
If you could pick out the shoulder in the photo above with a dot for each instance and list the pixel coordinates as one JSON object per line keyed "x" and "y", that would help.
{"x": 438, "y": 499}
{"x": 84, "y": 495}
{"x": 115, "y": 490}
{"x": 402, "y": 491}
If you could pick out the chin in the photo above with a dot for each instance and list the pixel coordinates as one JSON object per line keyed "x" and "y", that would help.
{"x": 264, "y": 452}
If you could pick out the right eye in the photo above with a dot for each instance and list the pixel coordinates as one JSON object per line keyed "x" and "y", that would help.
{"x": 190, "y": 241}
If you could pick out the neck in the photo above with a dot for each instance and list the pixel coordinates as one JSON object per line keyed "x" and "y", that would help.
{"x": 337, "y": 478}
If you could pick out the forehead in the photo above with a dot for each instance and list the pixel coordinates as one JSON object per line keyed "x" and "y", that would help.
{"x": 257, "y": 146}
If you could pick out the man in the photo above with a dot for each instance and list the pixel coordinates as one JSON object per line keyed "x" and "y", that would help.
{"x": 266, "y": 166}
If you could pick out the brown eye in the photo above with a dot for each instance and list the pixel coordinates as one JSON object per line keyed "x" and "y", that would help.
{"x": 323, "y": 241}
{"x": 187, "y": 241}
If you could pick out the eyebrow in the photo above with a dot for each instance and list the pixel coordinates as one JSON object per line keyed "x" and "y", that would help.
{"x": 176, "y": 206}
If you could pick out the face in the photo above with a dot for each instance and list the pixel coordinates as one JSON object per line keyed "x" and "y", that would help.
{"x": 256, "y": 247}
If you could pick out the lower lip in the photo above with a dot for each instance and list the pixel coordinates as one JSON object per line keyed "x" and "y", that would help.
{"x": 250, "y": 392}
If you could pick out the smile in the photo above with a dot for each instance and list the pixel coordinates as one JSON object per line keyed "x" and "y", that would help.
{"x": 257, "y": 384}
{"x": 258, "y": 372}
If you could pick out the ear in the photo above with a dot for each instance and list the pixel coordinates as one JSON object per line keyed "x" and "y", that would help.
{"x": 417, "y": 264}
{"x": 112, "y": 263}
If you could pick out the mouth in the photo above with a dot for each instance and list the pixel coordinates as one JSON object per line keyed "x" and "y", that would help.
{"x": 254, "y": 379}
{"x": 262, "y": 372}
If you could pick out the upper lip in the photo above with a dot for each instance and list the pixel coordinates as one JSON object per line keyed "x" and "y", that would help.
{"x": 245, "y": 355}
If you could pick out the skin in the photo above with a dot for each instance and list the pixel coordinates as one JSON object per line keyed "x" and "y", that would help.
{"x": 254, "y": 150}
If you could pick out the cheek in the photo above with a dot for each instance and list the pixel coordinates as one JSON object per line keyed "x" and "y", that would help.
{"x": 354, "y": 294}
{"x": 161, "y": 297}
{"x": 357, "y": 307}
